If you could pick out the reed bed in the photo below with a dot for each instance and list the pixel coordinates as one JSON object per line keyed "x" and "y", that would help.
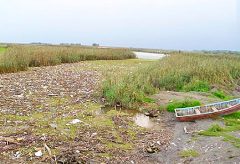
{"x": 19, "y": 58}
{"x": 178, "y": 72}
{"x": 2, "y": 49}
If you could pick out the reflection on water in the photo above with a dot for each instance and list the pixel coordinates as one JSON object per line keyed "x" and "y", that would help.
{"x": 139, "y": 118}
{"x": 145, "y": 55}
{"x": 143, "y": 121}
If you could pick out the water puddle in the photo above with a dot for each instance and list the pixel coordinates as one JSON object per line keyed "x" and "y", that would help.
{"x": 139, "y": 119}
{"x": 143, "y": 121}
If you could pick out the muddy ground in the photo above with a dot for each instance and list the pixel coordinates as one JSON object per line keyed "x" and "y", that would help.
{"x": 209, "y": 149}
{"x": 55, "y": 115}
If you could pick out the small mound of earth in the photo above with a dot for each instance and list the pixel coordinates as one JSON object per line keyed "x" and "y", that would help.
{"x": 164, "y": 97}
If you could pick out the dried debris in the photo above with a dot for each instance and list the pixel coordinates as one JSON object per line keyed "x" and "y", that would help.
{"x": 48, "y": 114}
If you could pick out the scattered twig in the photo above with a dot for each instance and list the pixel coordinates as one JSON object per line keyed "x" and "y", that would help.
{"x": 8, "y": 140}
{"x": 48, "y": 149}
{"x": 185, "y": 130}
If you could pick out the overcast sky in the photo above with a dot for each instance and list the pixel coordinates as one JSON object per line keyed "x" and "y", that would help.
{"x": 166, "y": 24}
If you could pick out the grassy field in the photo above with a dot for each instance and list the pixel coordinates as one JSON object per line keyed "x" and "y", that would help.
{"x": 19, "y": 58}
{"x": 178, "y": 72}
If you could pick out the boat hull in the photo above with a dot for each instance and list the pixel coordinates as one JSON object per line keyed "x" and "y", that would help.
{"x": 222, "y": 112}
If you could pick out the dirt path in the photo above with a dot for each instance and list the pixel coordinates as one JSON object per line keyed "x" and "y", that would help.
{"x": 165, "y": 97}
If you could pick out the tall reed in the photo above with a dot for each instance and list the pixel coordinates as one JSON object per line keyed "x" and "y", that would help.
{"x": 18, "y": 58}
{"x": 179, "y": 72}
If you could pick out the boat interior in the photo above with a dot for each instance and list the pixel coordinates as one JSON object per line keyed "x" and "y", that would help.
{"x": 210, "y": 108}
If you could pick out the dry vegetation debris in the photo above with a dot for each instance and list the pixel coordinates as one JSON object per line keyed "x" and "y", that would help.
{"x": 54, "y": 112}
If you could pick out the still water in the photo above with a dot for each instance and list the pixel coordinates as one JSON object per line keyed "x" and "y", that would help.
{"x": 139, "y": 119}
{"x": 145, "y": 55}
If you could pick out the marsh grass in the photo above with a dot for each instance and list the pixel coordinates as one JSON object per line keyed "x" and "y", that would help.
{"x": 177, "y": 72}
{"x": 188, "y": 153}
{"x": 182, "y": 104}
{"x": 232, "y": 124}
{"x": 197, "y": 85}
{"x": 2, "y": 49}
{"x": 221, "y": 94}
{"x": 127, "y": 88}
{"x": 19, "y": 58}
{"x": 235, "y": 115}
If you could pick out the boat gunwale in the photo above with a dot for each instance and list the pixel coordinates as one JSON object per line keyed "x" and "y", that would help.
{"x": 212, "y": 104}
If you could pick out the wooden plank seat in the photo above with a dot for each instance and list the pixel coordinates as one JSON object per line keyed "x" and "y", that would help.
{"x": 229, "y": 106}
{"x": 197, "y": 111}
{"x": 214, "y": 109}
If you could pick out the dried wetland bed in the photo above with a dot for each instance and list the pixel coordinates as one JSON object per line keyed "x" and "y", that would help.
{"x": 85, "y": 112}
{"x": 39, "y": 105}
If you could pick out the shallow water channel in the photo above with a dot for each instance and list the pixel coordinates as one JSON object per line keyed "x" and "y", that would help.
{"x": 146, "y": 55}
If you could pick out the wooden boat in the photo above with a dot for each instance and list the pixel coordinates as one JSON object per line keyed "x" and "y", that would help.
{"x": 207, "y": 111}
